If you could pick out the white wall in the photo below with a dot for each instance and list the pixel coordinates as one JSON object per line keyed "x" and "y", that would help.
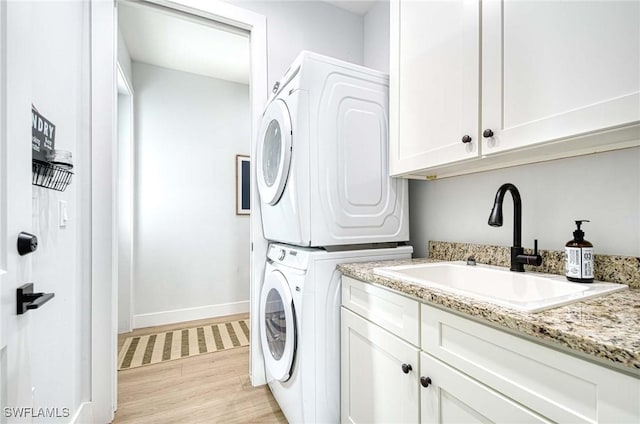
{"x": 60, "y": 367}
{"x": 604, "y": 188}
{"x": 320, "y": 27}
{"x": 191, "y": 250}
{"x": 376, "y": 36}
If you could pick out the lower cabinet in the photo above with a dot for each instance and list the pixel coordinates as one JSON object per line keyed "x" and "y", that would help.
{"x": 459, "y": 370}
{"x": 379, "y": 374}
{"x": 381, "y": 383}
{"x": 453, "y": 397}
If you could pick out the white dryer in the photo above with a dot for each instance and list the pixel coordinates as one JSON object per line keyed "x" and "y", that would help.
{"x": 300, "y": 327}
{"x": 322, "y": 159}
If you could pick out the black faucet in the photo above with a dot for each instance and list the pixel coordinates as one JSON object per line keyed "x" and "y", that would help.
{"x": 518, "y": 258}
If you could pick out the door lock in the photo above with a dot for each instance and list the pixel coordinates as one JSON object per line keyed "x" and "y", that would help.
{"x": 27, "y": 243}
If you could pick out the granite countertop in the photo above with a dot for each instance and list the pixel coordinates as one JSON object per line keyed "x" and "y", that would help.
{"x": 606, "y": 328}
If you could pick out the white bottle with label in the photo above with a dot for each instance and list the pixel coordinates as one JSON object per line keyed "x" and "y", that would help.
{"x": 579, "y": 257}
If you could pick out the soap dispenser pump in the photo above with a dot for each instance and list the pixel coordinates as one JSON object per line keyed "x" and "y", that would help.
{"x": 579, "y": 257}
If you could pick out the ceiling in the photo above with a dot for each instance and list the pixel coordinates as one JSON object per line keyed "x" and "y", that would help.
{"x": 361, "y": 7}
{"x": 170, "y": 40}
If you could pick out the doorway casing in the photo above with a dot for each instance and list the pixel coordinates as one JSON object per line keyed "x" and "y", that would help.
{"x": 104, "y": 175}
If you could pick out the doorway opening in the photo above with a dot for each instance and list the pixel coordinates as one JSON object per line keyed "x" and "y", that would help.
{"x": 192, "y": 117}
{"x": 188, "y": 109}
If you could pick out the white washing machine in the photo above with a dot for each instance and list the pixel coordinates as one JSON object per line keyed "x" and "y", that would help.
{"x": 322, "y": 159}
{"x": 300, "y": 327}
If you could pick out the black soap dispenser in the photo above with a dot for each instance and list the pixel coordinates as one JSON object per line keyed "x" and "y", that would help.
{"x": 579, "y": 257}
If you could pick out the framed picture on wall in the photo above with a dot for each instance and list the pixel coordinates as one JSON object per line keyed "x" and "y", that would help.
{"x": 243, "y": 188}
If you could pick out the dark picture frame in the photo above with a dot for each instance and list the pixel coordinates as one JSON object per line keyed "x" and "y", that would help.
{"x": 243, "y": 185}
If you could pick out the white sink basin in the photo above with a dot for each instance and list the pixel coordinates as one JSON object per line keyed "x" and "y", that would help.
{"x": 529, "y": 292}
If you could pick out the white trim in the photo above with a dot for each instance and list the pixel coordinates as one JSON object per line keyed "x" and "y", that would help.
{"x": 129, "y": 88}
{"x": 190, "y": 314}
{"x": 127, "y": 83}
{"x": 83, "y": 415}
{"x": 103, "y": 303}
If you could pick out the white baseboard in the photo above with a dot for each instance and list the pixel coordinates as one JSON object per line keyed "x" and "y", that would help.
{"x": 83, "y": 415}
{"x": 189, "y": 314}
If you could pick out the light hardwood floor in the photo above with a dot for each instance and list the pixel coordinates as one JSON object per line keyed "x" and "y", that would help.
{"x": 209, "y": 388}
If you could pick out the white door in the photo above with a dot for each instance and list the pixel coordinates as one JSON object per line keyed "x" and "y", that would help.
{"x": 449, "y": 396}
{"x": 556, "y": 69}
{"x": 434, "y": 85}
{"x": 16, "y": 331}
{"x": 277, "y": 326}
{"x": 379, "y": 374}
{"x": 44, "y": 353}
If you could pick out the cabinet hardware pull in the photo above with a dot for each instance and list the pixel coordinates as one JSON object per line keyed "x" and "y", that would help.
{"x": 487, "y": 133}
{"x": 466, "y": 138}
{"x": 406, "y": 368}
{"x": 425, "y": 381}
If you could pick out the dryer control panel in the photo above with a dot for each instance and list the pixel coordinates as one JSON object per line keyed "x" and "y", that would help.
{"x": 291, "y": 256}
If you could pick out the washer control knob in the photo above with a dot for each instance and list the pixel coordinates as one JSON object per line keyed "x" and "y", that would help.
{"x": 283, "y": 253}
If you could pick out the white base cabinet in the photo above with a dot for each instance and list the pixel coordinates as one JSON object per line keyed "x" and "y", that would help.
{"x": 557, "y": 385}
{"x": 453, "y": 397}
{"x": 374, "y": 387}
{"x": 461, "y": 370}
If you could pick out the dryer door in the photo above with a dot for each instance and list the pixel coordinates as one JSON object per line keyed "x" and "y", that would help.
{"x": 274, "y": 152}
{"x": 277, "y": 326}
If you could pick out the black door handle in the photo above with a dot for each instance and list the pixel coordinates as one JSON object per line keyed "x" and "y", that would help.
{"x": 406, "y": 368}
{"x": 26, "y": 299}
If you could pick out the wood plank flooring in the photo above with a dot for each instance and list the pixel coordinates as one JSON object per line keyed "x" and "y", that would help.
{"x": 210, "y": 388}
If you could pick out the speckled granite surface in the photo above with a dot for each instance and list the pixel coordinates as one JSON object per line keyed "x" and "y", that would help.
{"x": 606, "y": 328}
{"x": 616, "y": 269}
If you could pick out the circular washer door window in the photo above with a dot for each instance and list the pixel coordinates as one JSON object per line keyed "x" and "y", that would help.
{"x": 277, "y": 326}
{"x": 274, "y": 152}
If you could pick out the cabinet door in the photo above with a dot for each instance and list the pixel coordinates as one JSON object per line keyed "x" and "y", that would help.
{"x": 453, "y": 397}
{"x": 557, "y": 69}
{"x": 374, "y": 387}
{"x": 434, "y": 83}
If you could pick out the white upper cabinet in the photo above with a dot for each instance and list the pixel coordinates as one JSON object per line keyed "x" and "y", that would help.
{"x": 541, "y": 79}
{"x": 434, "y": 83}
{"x": 556, "y": 69}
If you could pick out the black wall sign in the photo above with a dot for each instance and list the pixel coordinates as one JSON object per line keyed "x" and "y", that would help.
{"x": 43, "y": 136}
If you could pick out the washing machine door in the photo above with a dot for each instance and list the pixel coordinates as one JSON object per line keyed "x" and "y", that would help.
{"x": 278, "y": 326}
{"x": 274, "y": 152}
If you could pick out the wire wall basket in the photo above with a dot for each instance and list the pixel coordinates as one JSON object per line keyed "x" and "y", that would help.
{"x": 50, "y": 176}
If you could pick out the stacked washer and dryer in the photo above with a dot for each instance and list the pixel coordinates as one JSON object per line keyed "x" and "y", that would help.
{"x": 326, "y": 198}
